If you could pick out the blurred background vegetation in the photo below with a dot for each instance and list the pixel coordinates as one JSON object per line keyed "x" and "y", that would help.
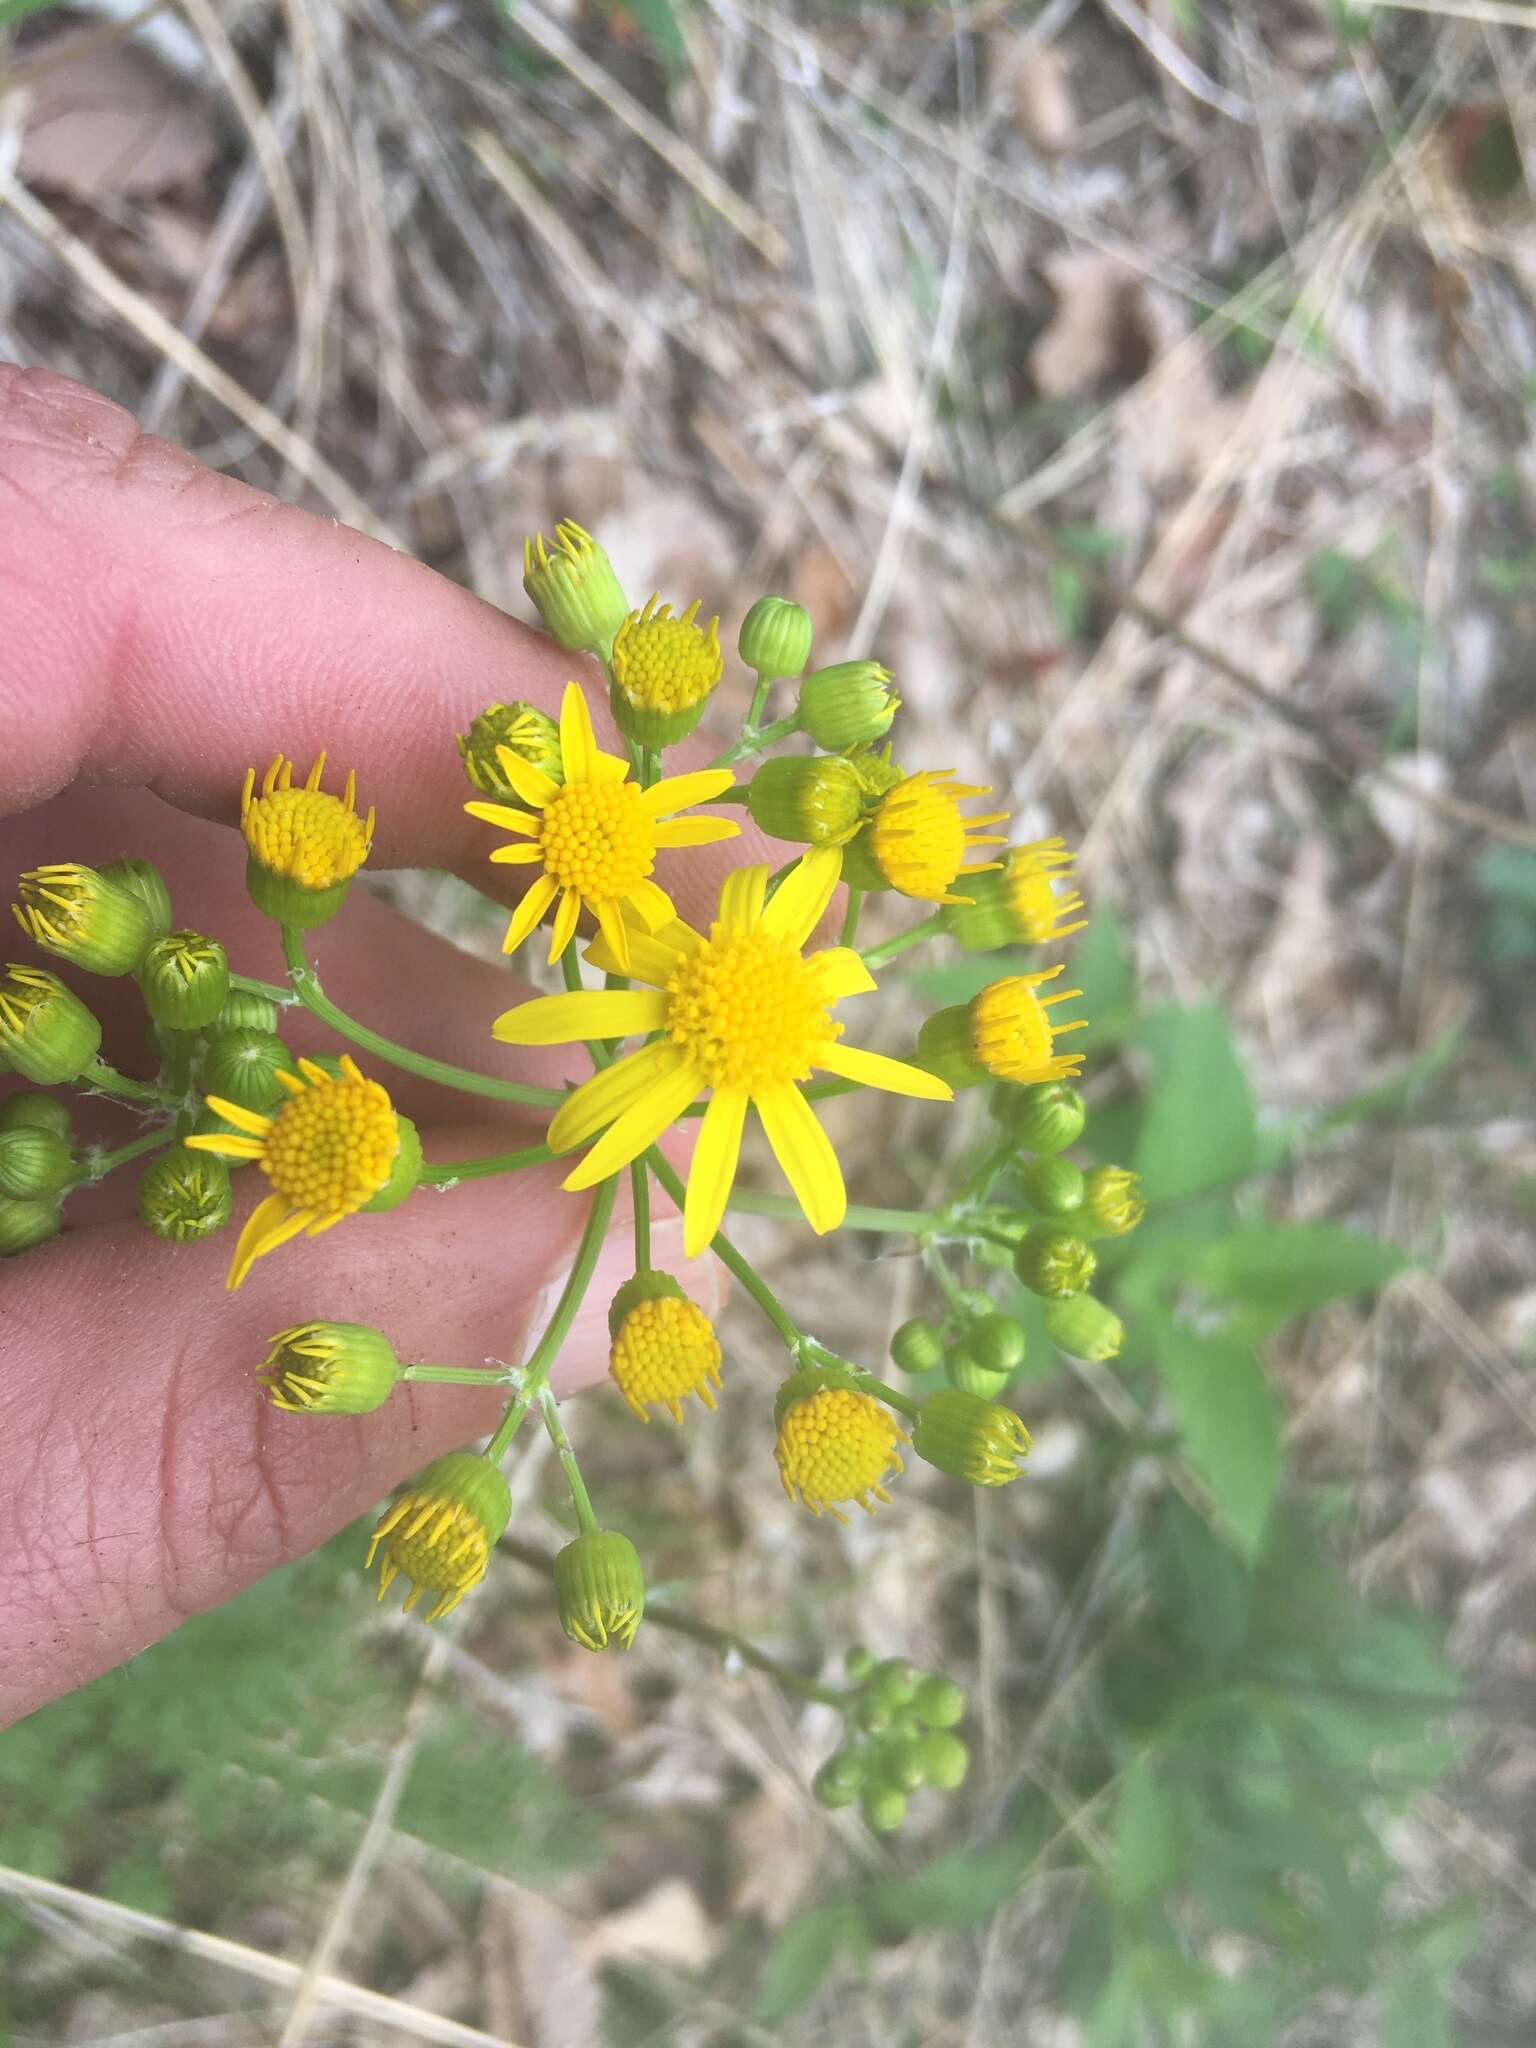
{"x": 1148, "y": 383}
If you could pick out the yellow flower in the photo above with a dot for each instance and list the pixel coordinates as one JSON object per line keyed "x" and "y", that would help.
{"x": 327, "y": 1151}
{"x": 441, "y": 1531}
{"x": 305, "y": 846}
{"x": 1030, "y": 876}
{"x": 596, "y": 835}
{"x": 82, "y": 916}
{"x": 664, "y": 670}
{"x": 834, "y": 1442}
{"x": 329, "y": 1369}
{"x": 664, "y": 1346}
{"x": 918, "y": 841}
{"x": 742, "y": 1013}
{"x": 1011, "y": 1034}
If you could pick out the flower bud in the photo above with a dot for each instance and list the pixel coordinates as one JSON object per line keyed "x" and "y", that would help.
{"x": 1051, "y": 1263}
{"x": 441, "y": 1531}
{"x": 776, "y": 637}
{"x": 939, "y": 1702}
{"x": 945, "y": 1760}
{"x": 141, "y": 878}
{"x": 964, "y": 1370}
{"x": 1053, "y": 1186}
{"x": 516, "y": 728}
{"x": 664, "y": 671}
{"x": 816, "y": 802}
{"x": 243, "y": 1066}
{"x": 900, "y": 1762}
{"x": 1017, "y": 905}
{"x": 25, "y": 1110}
{"x": 840, "y": 1779}
{"x": 893, "y": 1682}
{"x": 997, "y": 1343}
{"x": 918, "y": 1346}
{"x": 329, "y": 1369}
{"x": 835, "y": 1443}
{"x": 1112, "y": 1201}
{"x": 35, "y": 1165}
{"x": 970, "y": 1438}
{"x": 574, "y": 589}
{"x": 184, "y": 1196}
{"x": 46, "y": 1032}
{"x": 403, "y": 1175}
{"x": 1046, "y": 1118}
{"x": 305, "y": 845}
{"x": 82, "y": 917}
{"x": 24, "y": 1224}
{"x": 664, "y": 1347}
{"x": 185, "y": 980}
{"x": 884, "y": 1808}
{"x": 244, "y": 1010}
{"x": 877, "y": 772}
{"x": 858, "y": 1664}
{"x": 1084, "y": 1328}
{"x": 850, "y": 704}
{"x": 600, "y": 1589}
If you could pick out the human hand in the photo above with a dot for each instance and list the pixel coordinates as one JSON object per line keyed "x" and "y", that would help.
{"x": 162, "y": 629}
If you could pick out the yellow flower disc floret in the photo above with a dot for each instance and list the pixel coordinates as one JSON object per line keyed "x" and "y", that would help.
{"x": 598, "y": 838}
{"x": 314, "y": 839}
{"x": 664, "y": 1350}
{"x": 442, "y": 1530}
{"x": 919, "y": 839}
{"x": 749, "y": 1011}
{"x": 1030, "y": 879}
{"x": 836, "y": 1444}
{"x": 666, "y": 664}
{"x": 1013, "y": 1037}
{"x": 329, "y": 1149}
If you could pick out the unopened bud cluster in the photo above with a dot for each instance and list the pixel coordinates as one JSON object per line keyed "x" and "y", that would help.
{"x": 898, "y": 1739}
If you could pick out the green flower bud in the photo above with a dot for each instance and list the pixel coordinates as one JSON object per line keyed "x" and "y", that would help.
{"x": 1046, "y": 1118}
{"x": 244, "y": 1010}
{"x": 872, "y": 1715}
{"x": 78, "y": 914}
{"x": 574, "y": 589}
{"x": 24, "y": 1110}
{"x": 776, "y": 637}
{"x": 893, "y": 1682}
{"x": 1084, "y": 1328}
{"x": 243, "y": 1066}
{"x": 970, "y": 1438}
{"x": 46, "y": 1032}
{"x": 901, "y": 1762}
{"x": 815, "y": 802}
{"x": 305, "y": 845}
{"x": 329, "y": 1368}
{"x": 877, "y": 772}
{"x": 963, "y": 1370}
{"x": 515, "y": 728}
{"x": 1051, "y": 1263}
{"x": 403, "y": 1175}
{"x": 939, "y": 1702}
{"x": 141, "y": 878}
{"x": 647, "y": 1286}
{"x": 918, "y": 1346}
{"x": 945, "y": 1761}
{"x": 858, "y": 1664}
{"x": 185, "y": 980}
{"x": 1017, "y": 905}
{"x": 1054, "y": 1186}
{"x": 1113, "y": 1201}
{"x": 664, "y": 671}
{"x": 997, "y": 1343}
{"x": 600, "y": 1589}
{"x": 439, "y": 1533}
{"x": 850, "y": 704}
{"x": 34, "y": 1164}
{"x": 24, "y": 1224}
{"x": 884, "y": 1808}
{"x": 184, "y": 1196}
{"x": 840, "y": 1779}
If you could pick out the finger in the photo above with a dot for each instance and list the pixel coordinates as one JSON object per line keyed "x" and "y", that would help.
{"x": 142, "y": 1478}
{"x": 171, "y": 627}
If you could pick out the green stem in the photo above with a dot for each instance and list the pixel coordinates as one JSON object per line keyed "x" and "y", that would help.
{"x": 755, "y": 738}
{"x": 760, "y": 692}
{"x": 284, "y": 998}
{"x": 860, "y": 1216}
{"x": 558, "y": 1327}
{"x": 902, "y": 1403}
{"x": 106, "y": 1080}
{"x": 554, "y": 1428}
{"x": 723, "y": 1640}
{"x": 889, "y": 949}
{"x": 458, "y": 1375}
{"x": 306, "y": 987}
{"x": 98, "y": 1164}
{"x": 740, "y": 1268}
{"x": 851, "y": 916}
{"x": 640, "y": 1184}
{"x": 445, "y": 1173}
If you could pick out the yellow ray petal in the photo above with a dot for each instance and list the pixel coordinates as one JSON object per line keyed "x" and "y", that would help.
{"x": 874, "y": 1070}
{"x": 741, "y": 898}
{"x": 610, "y": 922}
{"x": 531, "y": 784}
{"x": 681, "y": 792}
{"x": 803, "y": 895}
{"x": 259, "y": 1225}
{"x": 542, "y": 891}
{"x": 594, "y": 1013}
{"x": 565, "y": 923}
{"x": 653, "y": 956}
{"x": 611, "y": 1090}
{"x": 653, "y": 906}
{"x": 843, "y": 973}
{"x": 248, "y": 1120}
{"x": 522, "y": 854}
{"x": 696, "y": 831}
{"x": 503, "y": 814}
{"x": 713, "y": 1168}
{"x": 578, "y": 742}
{"x": 640, "y": 1125}
{"x": 226, "y": 1147}
{"x": 805, "y": 1152}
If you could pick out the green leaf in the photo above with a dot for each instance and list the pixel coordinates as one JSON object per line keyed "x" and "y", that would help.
{"x": 1205, "y": 1592}
{"x": 1199, "y": 1130}
{"x": 14, "y": 10}
{"x": 1147, "y": 1845}
{"x": 956, "y": 1890}
{"x": 803, "y": 1951}
{"x": 1101, "y": 968}
{"x": 657, "y": 22}
{"x": 1285, "y": 1269}
{"x": 1415, "y": 2012}
{"x": 1228, "y": 1422}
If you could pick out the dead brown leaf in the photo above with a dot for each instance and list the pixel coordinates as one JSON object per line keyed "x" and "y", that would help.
{"x": 112, "y": 122}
